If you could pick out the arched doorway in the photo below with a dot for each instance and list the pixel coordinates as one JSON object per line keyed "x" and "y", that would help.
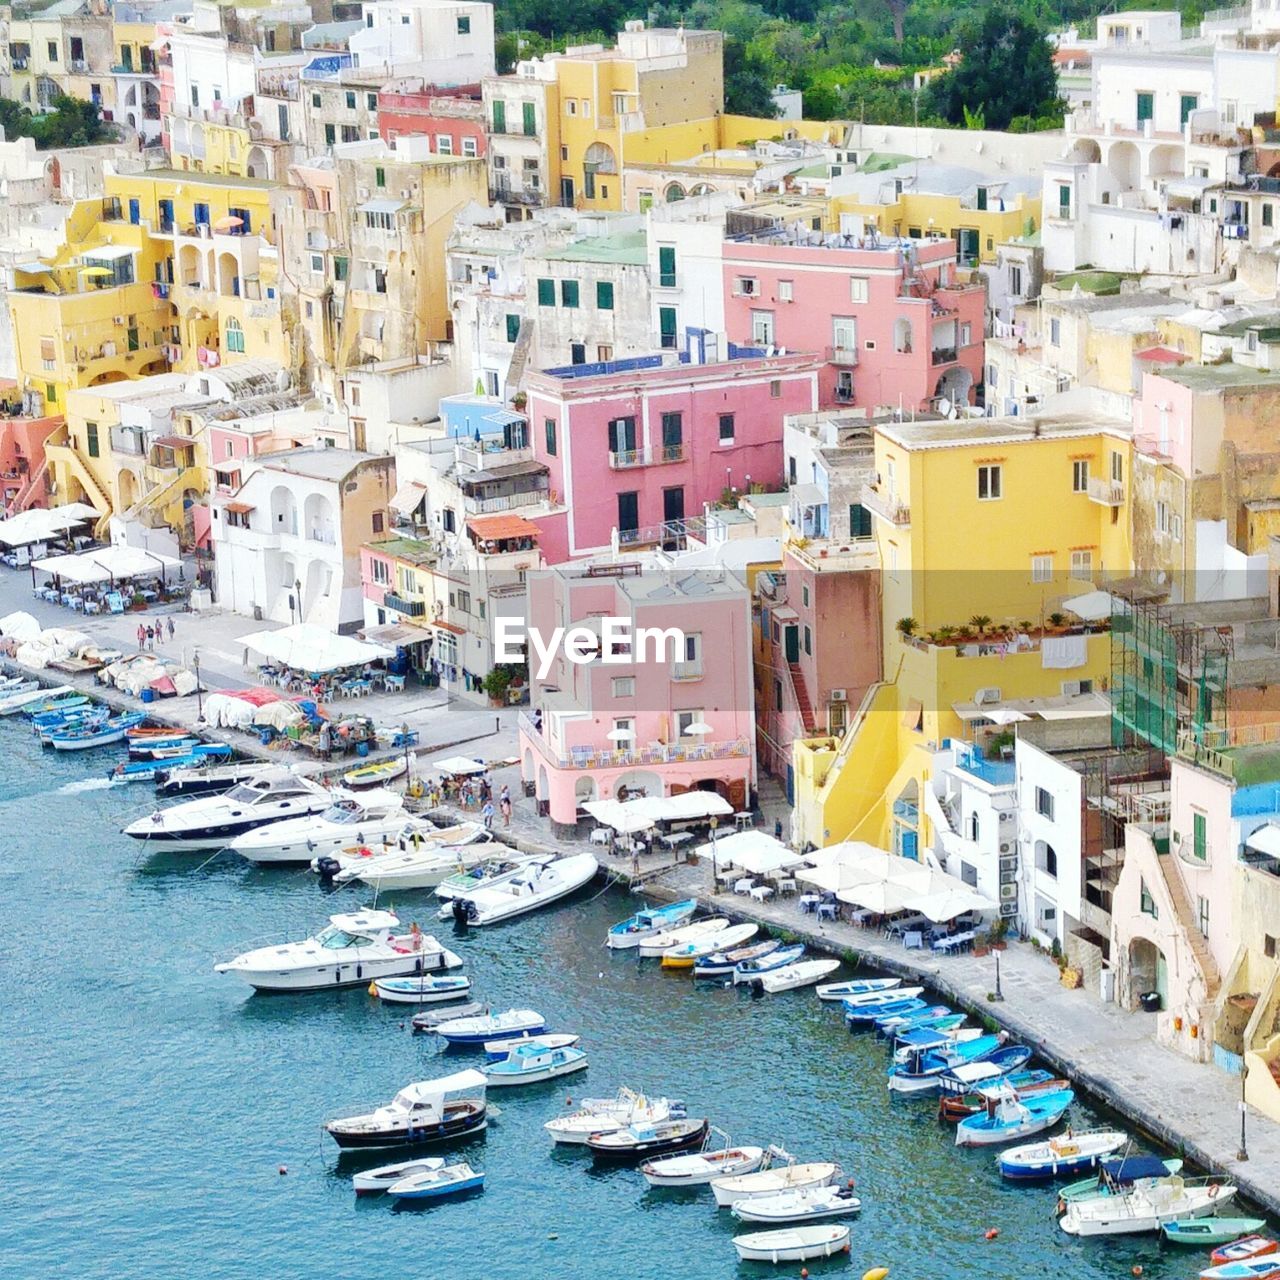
{"x": 674, "y": 192}
{"x": 584, "y": 789}
{"x": 955, "y": 385}
{"x": 1147, "y": 971}
{"x": 128, "y": 487}
{"x": 257, "y": 163}
{"x": 1125, "y": 165}
{"x": 636, "y": 783}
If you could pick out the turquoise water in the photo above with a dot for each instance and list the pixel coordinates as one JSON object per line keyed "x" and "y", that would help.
{"x": 150, "y": 1101}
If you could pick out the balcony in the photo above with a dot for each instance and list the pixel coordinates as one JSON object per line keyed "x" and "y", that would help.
{"x": 1106, "y": 493}
{"x": 629, "y": 458}
{"x": 683, "y": 671}
{"x": 885, "y": 506}
{"x": 410, "y": 608}
{"x": 847, "y": 356}
{"x": 588, "y": 757}
{"x": 503, "y": 502}
{"x": 944, "y": 355}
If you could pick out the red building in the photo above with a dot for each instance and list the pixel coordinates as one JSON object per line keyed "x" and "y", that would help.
{"x": 24, "y": 473}
{"x": 452, "y": 117}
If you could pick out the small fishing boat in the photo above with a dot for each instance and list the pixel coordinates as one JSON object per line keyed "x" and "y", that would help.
{"x": 1147, "y": 1206}
{"x": 923, "y": 1068}
{"x": 653, "y": 947}
{"x": 58, "y": 705}
{"x": 170, "y": 748}
{"x": 639, "y": 1142}
{"x": 948, "y": 1022}
{"x": 1115, "y": 1177}
{"x": 954, "y": 1107}
{"x": 1058, "y": 1157}
{"x": 698, "y": 1168}
{"x": 793, "y": 1244}
{"x": 32, "y": 699}
{"x": 921, "y": 1039}
{"x": 791, "y": 977}
{"x": 1203, "y": 1231}
{"x": 538, "y": 886}
{"x": 104, "y": 734}
{"x": 375, "y": 1181}
{"x": 856, "y": 987}
{"x": 1244, "y": 1249}
{"x": 192, "y": 777}
{"x": 531, "y": 1063}
{"x": 648, "y": 923}
{"x": 986, "y": 1071}
{"x": 157, "y": 770}
{"x": 496, "y": 1050}
{"x": 430, "y": 1019}
{"x": 813, "y": 1204}
{"x": 378, "y": 774}
{"x": 494, "y": 1026}
{"x": 1010, "y": 1117}
{"x": 686, "y": 954}
{"x": 430, "y": 1184}
{"x": 778, "y": 958}
{"x": 422, "y": 989}
{"x": 721, "y": 964}
{"x": 880, "y": 1000}
{"x": 427, "y": 1111}
{"x": 890, "y": 1024}
{"x": 1246, "y": 1269}
{"x": 779, "y": 1173}
{"x": 865, "y": 1015}
{"x": 607, "y": 1115}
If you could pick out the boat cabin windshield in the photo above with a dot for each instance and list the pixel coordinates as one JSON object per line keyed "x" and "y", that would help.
{"x": 345, "y": 811}
{"x": 335, "y": 939}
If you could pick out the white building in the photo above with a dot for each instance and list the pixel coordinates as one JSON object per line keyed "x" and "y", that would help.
{"x": 447, "y": 42}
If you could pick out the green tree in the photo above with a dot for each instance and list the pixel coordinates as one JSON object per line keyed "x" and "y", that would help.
{"x": 1007, "y": 71}
{"x": 748, "y": 82}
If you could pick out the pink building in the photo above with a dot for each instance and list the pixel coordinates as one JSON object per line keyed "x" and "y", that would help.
{"x": 659, "y": 725}
{"x": 453, "y": 117}
{"x": 891, "y": 324}
{"x": 24, "y": 473}
{"x": 636, "y": 447}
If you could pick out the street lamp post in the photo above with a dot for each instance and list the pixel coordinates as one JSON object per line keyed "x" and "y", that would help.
{"x": 404, "y": 741}
{"x": 1243, "y": 1154}
{"x": 195, "y": 666}
{"x": 999, "y": 995}
{"x": 715, "y": 865}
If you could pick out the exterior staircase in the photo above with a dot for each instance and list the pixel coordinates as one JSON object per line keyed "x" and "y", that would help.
{"x": 803, "y": 703}
{"x": 161, "y": 494}
{"x": 29, "y": 491}
{"x": 1190, "y": 928}
{"x": 65, "y": 454}
{"x": 519, "y": 356}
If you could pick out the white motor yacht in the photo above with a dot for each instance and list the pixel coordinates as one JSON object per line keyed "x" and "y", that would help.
{"x": 417, "y": 856}
{"x": 351, "y": 821}
{"x": 354, "y": 950}
{"x": 212, "y": 822}
{"x": 538, "y": 886}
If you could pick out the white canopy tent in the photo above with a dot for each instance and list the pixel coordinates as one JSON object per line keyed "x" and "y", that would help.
{"x": 459, "y": 766}
{"x": 1091, "y": 606}
{"x": 941, "y": 905}
{"x": 107, "y": 564}
{"x": 308, "y": 647}
{"x": 39, "y": 524}
{"x": 1266, "y": 839}
{"x": 755, "y": 852}
{"x": 629, "y": 816}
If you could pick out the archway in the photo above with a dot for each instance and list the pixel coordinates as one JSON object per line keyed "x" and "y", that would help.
{"x": 228, "y": 275}
{"x": 127, "y": 484}
{"x": 701, "y": 189}
{"x": 1125, "y": 164}
{"x": 284, "y": 511}
{"x": 600, "y": 158}
{"x": 1085, "y": 151}
{"x": 1147, "y": 971}
{"x": 544, "y": 783}
{"x": 902, "y": 336}
{"x": 189, "y": 265}
{"x": 955, "y": 385}
{"x": 257, "y": 163}
{"x": 112, "y": 375}
{"x": 636, "y": 783}
{"x": 584, "y": 789}
{"x": 1165, "y": 161}
{"x": 673, "y": 193}
{"x": 317, "y": 518}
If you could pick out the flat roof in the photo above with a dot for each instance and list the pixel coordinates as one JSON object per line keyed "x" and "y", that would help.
{"x": 1210, "y": 377}
{"x": 627, "y": 249}
{"x": 414, "y": 550}
{"x": 202, "y": 179}
{"x": 320, "y": 464}
{"x": 942, "y": 433}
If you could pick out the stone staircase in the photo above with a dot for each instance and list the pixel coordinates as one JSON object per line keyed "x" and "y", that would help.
{"x": 26, "y": 495}
{"x": 803, "y": 702}
{"x": 1190, "y": 928}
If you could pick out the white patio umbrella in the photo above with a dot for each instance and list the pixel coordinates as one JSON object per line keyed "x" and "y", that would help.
{"x": 945, "y": 904}
{"x": 620, "y": 735}
{"x": 883, "y": 897}
{"x": 699, "y": 727}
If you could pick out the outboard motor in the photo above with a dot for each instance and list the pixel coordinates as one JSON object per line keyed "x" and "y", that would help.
{"x": 328, "y": 868}
{"x": 464, "y": 910}
{"x": 757, "y": 988}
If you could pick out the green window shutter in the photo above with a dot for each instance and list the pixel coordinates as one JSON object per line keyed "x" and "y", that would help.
{"x": 1146, "y": 106}
{"x": 1200, "y": 835}
{"x": 91, "y": 438}
{"x": 530, "y": 120}
{"x": 569, "y": 293}
{"x": 513, "y": 328}
{"x": 667, "y": 321}
{"x": 667, "y": 266}
{"x": 340, "y": 266}
{"x": 604, "y": 295}
{"x": 499, "y": 117}
{"x": 551, "y": 436}
{"x": 546, "y": 293}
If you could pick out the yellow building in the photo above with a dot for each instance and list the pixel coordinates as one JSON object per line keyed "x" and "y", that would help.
{"x": 985, "y": 529}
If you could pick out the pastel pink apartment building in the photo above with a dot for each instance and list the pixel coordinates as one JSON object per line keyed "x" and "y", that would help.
{"x": 891, "y": 324}
{"x": 636, "y": 447}
{"x": 657, "y": 727}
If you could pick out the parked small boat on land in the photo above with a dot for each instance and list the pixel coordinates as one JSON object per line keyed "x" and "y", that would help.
{"x": 431, "y": 1184}
{"x": 607, "y": 1115}
{"x": 1058, "y": 1157}
{"x": 856, "y": 987}
{"x": 422, "y": 989}
{"x": 792, "y": 1244}
{"x": 791, "y": 977}
{"x": 647, "y": 923}
{"x": 1010, "y": 1117}
{"x": 1204, "y": 1231}
{"x": 427, "y": 1111}
{"x": 639, "y": 1142}
{"x": 375, "y": 1181}
{"x": 377, "y": 774}
{"x": 653, "y": 947}
{"x": 813, "y": 1204}
{"x": 532, "y": 1063}
{"x": 698, "y": 1168}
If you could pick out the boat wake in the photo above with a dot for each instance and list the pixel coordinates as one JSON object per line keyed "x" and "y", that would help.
{"x": 89, "y": 784}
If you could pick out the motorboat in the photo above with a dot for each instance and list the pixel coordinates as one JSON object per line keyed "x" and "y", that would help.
{"x": 1246, "y": 1269}
{"x": 1117, "y": 1176}
{"x": 750, "y": 969}
{"x": 496, "y": 1050}
{"x": 638, "y": 1142}
{"x": 1244, "y": 1249}
{"x": 891, "y": 1024}
{"x": 428, "y": 1111}
{"x": 1069, "y": 1154}
{"x": 779, "y": 1173}
{"x": 92, "y": 734}
{"x": 532, "y": 1063}
{"x": 377, "y": 774}
{"x": 923, "y": 1068}
{"x": 1203, "y": 1231}
{"x": 986, "y": 1072}
{"x": 449, "y": 1180}
{"x": 866, "y": 1015}
{"x": 430, "y": 1019}
{"x": 354, "y": 949}
{"x": 537, "y": 886}
{"x": 813, "y": 1204}
{"x": 648, "y": 923}
{"x": 212, "y": 822}
{"x": 696, "y": 1169}
{"x": 422, "y": 989}
{"x": 1146, "y": 1207}
{"x": 922, "y": 1039}
{"x": 416, "y": 855}
{"x": 607, "y": 1115}
{"x": 489, "y": 871}
{"x": 790, "y": 977}
{"x": 792, "y": 1244}
{"x": 856, "y": 987}
{"x": 374, "y": 1181}
{"x": 155, "y": 770}
{"x": 878, "y": 999}
{"x": 494, "y": 1026}
{"x": 947, "y": 1022}
{"x": 721, "y": 964}
{"x": 1010, "y": 1117}
{"x": 350, "y": 820}
{"x": 194, "y": 777}
{"x": 686, "y": 954}
{"x": 653, "y": 947}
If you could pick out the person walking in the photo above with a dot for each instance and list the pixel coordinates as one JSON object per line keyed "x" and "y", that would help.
{"x": 159, "y": 632}
{"x": 142, "y": 637}
{"x": 151, "y": 638}
{"x": 487, "y": 814}
{"x": 504, "y": 803}
{"x": 171, "y": 629}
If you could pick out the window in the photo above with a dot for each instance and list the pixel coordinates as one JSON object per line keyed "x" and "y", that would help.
{"x": 1080, "y": 476}
{"x": 546, "y": 293}
{"x": 380, "y": 177}
{"x": 351, "y": 101}
{"x": 235, "y": 336}
{"x": 1202, "y": 915}
{"x": 1064, "y": 200}
{"x": 624, "y": 686}
{"x": 726, "y": 428}
{"x": 1162, "y": 518}
{"x": 315, "y": 100}
{"x": 340, "y": 268}
{"x": 1146, "y": 105}
{"x": 666, "y": 266}
{"x": 568, "y": 293}
{"x": 330, "y": 135}
{"x": 1042, "y": 568}
{"x": 317, "y": 263}
{"x": 371, "y": 101}
{"x": 808, "y": 641}
{"x": 1015, "y": 281}
{"x": 53, "y": 55}
{"x": 464, "y": 26}
{"x": 672, "y": 436}
{"x": 604, "y": 295}
{"x": 1268, "y": 215}
{"x": 1146, "y": 903}
{"x": 1082, "y": 565}
{"x": 844, "y": 335}
{"x": 499, "y": 117}
{"x": 529, "y": 119}
{"x": 858, "y": 289}
{"x": 381, "y": 572}
{"x": 1187, "y": 103}
{"x": 667, "y": 327}
{"x": 1055, "y": 332}
{"x": 51, "y": 392}
{"x": 786, "y": 291}
{"x": 378, "y": 220}
{"x": 1046, "y": 859}
{"x": 1044, "y": 803}
{"x": 444, "y": 144}
{"x": 775, "y": 389}
{"x": 462, "y": 601}
{"x": 604, "y": 352}
{"x": 762, "y": 328}
{"x": 469, "y": 147}
{"x": 974, "y": 828}
{"x": 777, "y": 695}
{"x": 859, "y": 521}
{"x": 571, "y": 106}
{"x": 1200, "y": 836}
{"x": 91, "y": 438}
{"x": 1117, "y": 467}
{"x": 378, "y": 521}
{"x": 686, "y": 718}
{"x": 804, "y": 596}
{"x": 990, "y": 482}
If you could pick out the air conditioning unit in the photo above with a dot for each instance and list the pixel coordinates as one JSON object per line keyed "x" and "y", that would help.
{"x": 839, "y": 695}
{"x": 1006, "y": 846}
{"x": 989, "y": 694}
{"x": 1008, "y": 875}
{"x": 1008, "y": 893}
{"x": 118, "y": 321}
{"x": 1009, "y": 865}
{"x": 1008, "y": 908}
{"x": 1008, "y": 816}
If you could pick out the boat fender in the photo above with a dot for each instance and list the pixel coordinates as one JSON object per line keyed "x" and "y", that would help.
{"x": 849, "y": 1183}
{"x": 876, "y": 1273}
{"x": 568, "y": 1102}
{"x": 992, "y": 1233}
{"x": 283, "y": 1170}
{"x": 359, "y": 972}
{"x": 1137, "y": 1271}
{"x": 373, "y": 988}
{"x": 1061, "y": 1206}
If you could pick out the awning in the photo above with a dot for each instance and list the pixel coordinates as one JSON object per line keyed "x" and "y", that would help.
{"x": 755, "y": 852}
{"x": 109, "y": 253}
{"x": 395, "y": 633}
{"x": 504, "y": 471}
{"x": 495, "y": 528}
{"x": 383, "y": 206}
{"x": 228, "y": 466}
{"x": 1266, "y": 839}
{"x": 408, "y": 497}
{"x": 451, "y": 627}
{"x": 102, "y": 563}
{"x": 239, "y": 508}
{"x": 308, "y": 647}
{"x": 1091, "y": 606}
{"x": 808, "y": 495}
{"x": 626, "y": 816}
{"x": 39, "y": 525}
{"x": 174, "y": 442}
{"x": 459, "y": 766}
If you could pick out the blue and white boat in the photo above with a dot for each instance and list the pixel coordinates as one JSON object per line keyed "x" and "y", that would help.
{"x": 82, "y": 738}
{"x": 1264, "y": 1268}
{"x": 1010, "y": 1117}
{"x": 948, "y": 1022}
{"x": 865, "y": 1015}
{"x": 920, "y": 1072}
{"x": 48, "y": 721}
{"x": 1061, "y": 1156}
{"x": 722, "y": 963}
{"x": 163, "y": 747}
{"x": 430, "y": 1184}
{"x": 775, "y": 959}
{"x": 917, "y": 1039}
{"x": 881, "y": 1000}
{"x": 989, "y": 1076}
{"x": 494, "y": 1026}
{"x": 648, "y": 923}
{"x": 888, "y": 1024}
{"x": 856, "y": 987}
{"x": 497, "y": 1050}
{"x": 422, "y": 988}
{"x": 532, "y": 1063}
{"x": 148, "y": 770}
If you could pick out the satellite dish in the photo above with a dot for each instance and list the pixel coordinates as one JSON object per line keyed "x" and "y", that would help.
{"x": 944, "y": 407}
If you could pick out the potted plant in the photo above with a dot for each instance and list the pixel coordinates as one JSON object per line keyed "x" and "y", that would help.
{"x": 999, "y": 928}
{"x": 496, "y": 684}
{"x": 1057, "y": 620}
{"x": 982, "y": 945}
{"x": 980, "y": 622}
{"x": 945, "y": 634}
{"x": 906, "y": 627}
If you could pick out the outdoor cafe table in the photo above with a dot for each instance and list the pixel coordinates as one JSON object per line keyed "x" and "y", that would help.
{"x": 808, "y": 901}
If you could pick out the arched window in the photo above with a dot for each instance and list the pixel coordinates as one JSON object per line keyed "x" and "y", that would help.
{"x": 235, "y": 336}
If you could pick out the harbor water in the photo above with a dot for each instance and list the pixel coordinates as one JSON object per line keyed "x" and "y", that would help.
{"x": 151, "y": 1103}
